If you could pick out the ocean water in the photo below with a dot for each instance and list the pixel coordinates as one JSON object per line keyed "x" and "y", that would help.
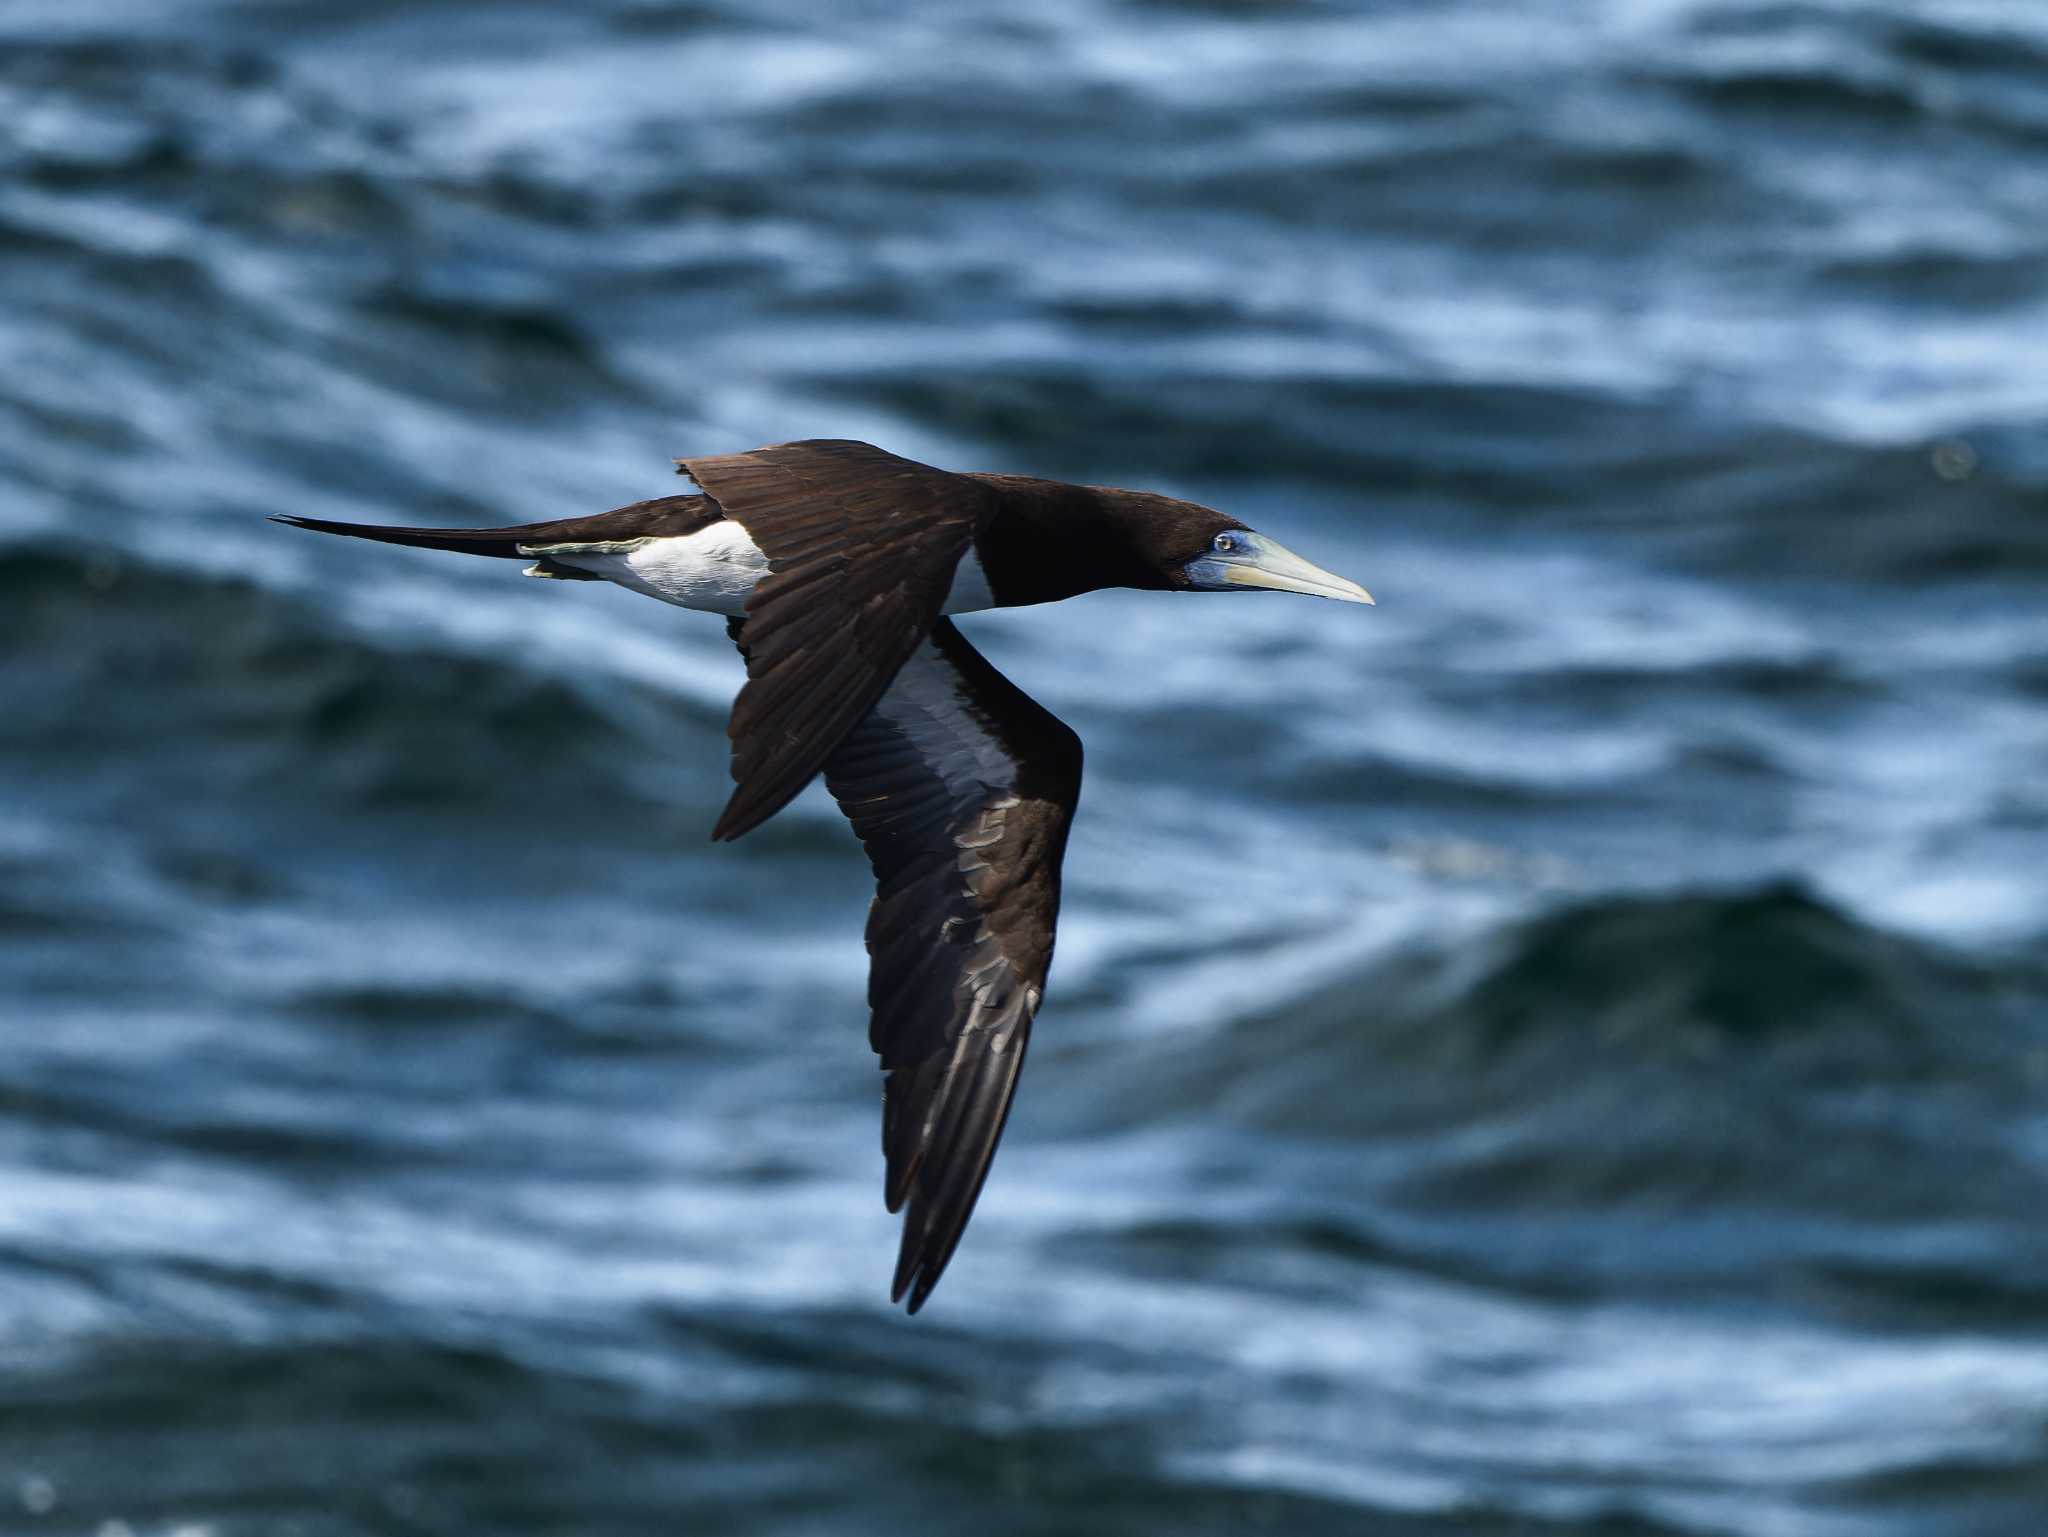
{"x": 1565, "y": 1051}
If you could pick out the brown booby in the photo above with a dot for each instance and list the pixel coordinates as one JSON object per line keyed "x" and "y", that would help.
{"x": 837, "y": 564}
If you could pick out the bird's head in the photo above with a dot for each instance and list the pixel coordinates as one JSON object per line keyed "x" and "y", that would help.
{"x": 1185, "y": 547}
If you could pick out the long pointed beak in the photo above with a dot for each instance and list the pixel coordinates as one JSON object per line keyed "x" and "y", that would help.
{"x": 1261, "y": 562}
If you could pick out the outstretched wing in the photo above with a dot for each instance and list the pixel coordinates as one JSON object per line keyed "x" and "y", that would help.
{"x": 961, "y": 788}
{"x": 862, "y": 548}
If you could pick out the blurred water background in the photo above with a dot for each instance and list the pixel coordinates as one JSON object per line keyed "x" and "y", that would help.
{"x": 1563, "y": 1052}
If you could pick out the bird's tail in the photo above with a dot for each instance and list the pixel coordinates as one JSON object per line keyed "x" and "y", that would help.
{"x": 469, "y": 541}
{"x": 662, "y": 515}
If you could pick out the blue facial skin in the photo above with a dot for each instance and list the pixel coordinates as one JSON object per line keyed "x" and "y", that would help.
{"x": 1240, "y": 559}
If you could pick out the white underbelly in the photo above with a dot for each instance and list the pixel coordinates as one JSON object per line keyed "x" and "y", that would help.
{"x": 712, "y": 570}
{"x": 716, "y": 569}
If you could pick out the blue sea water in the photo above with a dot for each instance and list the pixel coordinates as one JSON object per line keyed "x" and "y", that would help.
{"x": 1565, "y": 1051}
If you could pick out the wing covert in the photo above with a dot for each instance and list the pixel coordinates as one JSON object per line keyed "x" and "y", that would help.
{"x": 862, "y": 548}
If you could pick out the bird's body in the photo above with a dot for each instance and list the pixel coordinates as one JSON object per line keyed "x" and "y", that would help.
{"x": 715, "y": 569}
{"x": 836, "y": 565}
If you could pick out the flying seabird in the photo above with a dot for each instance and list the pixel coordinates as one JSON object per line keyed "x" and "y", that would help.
{"x": 836, "y": 565}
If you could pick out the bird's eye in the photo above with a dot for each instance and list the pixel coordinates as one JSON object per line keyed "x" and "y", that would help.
{"x": 1223, "y": 544}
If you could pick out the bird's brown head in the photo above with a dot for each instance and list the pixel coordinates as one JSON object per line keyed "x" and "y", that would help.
{"x": 1049, "y": 540}
{"x": 1178, "y": 546}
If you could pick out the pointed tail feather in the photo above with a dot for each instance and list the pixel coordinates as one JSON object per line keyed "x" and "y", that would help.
{"x": 469, "y": 541}
{"x": 661, "y": 517}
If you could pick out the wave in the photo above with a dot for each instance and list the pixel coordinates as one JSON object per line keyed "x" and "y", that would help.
{"x": 1395, "y": 434}
{"x": 531, "y": 356}
{"x": 1825, "y": 90}
{"x": 265, "y": 695}
{"x": 1851, "y": 69}
{"x": 1756, "y": 1045}
{"x": 457, "y": 1429}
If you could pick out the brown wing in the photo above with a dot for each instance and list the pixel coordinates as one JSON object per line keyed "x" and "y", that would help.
{"x": 861, "y": 549}
{"x": 961, "y": 788}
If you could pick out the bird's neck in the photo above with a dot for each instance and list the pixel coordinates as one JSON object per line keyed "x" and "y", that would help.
{"x": 1046, "y": 540}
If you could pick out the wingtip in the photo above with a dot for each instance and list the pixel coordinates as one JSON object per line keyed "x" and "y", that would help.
{"x": 730, "y": 827}
{"x": 921, "y": 1293}
{"x": 747, "y": 810}
{"x": 913, "y": 1280}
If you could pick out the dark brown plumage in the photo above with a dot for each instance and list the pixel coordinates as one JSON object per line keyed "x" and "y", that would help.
{"x": 661, "y": 517}
{"x": 837, "y": 562}
{"x": 841, "y": 608}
